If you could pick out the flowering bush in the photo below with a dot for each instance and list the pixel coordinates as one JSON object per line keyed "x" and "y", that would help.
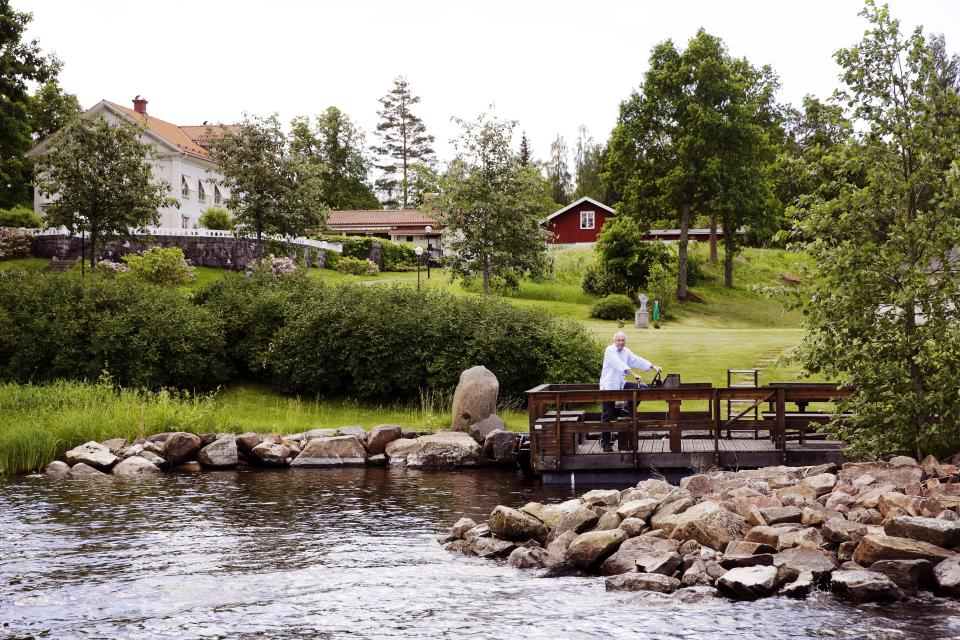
{"x": 357, "y": 267}
{"x": 281, "y": 266}
{"x": 13, "y": 244}
{"x": 161, "y": 266}
{"x": 111, "y": 268}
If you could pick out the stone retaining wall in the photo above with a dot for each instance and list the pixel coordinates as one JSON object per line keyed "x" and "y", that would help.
{"x": 223, "y": 253}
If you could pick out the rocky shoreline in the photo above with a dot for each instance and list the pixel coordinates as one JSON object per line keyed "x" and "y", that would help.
{"x": 878, "y": 531}
{"x": 318, "y": 448}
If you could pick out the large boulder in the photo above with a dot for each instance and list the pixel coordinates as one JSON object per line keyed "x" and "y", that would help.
{"x": 181, "y": 447}
{"x": 135, "y": 466}
{"x": 445, "y": 450}
{"x": 498, "y": 447}
{"x": 115, "y": 445}
{"x": 515, "y": 525}
{"x": 271, "y": 454}
{"x": 642, "y": 582}
{"x": 358, "y": 432}
{"x": 480, "y": 430}
{"x": 529, "y": 558}
{"x": 491, "y": 547}
{"x": 634, "y": 551}
{"x": 856, "y": 475}
{"x": 475, "y": 397}
{"x": 909, "y": 575}
{"x": 57, "y": 469}
{"x": 551, "y": 514}
{"x": 337, "y": 451}
{"x": 590, "y": 549}
{"x": 220, "y": 454}
{"x": 797, "y": 560}
{"x": 578, "y": 521}
{"x": 881, "y": 547}
{"x": 842, "y": 530}
{"x": 941, "y": 533}
{"x": 821, "y": 483}
{"x": 864, "y": 586}
{"x": 398, "y": 450}
{"x": 709, "y": 524}
{"x": 749, "y": 583}
{"x": 380, "y": 436}
{"x": 947, "y": 577}
{"x": 642, "y": 508}
{"x": 92, "y": 454}
{"x": 83, "y": 471}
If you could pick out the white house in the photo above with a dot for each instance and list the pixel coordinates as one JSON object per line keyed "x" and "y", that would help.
{"x": 183, "y": 161}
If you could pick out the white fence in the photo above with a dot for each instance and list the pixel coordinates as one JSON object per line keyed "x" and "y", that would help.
{"x": 200, "y": 233}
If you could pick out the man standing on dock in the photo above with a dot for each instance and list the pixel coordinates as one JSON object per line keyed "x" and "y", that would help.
{"x": 618, "y": 363}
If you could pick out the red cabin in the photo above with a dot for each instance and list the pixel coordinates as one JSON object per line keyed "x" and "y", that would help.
{"x": 578, "y": 222}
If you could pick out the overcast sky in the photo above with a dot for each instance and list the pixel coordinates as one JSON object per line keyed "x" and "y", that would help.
{"x": 550, "y": 65}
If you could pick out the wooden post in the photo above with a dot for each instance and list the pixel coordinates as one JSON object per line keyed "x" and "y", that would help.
{"x": 781, "y": 441}
{"x": 635, "y": 437}
{"x": 716, "y": 427}
{"x": 557, "y": 413}
{"x": 673, "y": 416}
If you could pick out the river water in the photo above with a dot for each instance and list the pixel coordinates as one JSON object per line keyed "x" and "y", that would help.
{"x": 340, "y": 554}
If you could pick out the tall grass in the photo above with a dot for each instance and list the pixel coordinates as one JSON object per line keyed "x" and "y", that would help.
{"x": 38, "y": 423}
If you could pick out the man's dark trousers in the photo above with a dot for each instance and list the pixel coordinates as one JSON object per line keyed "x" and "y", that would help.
{"x": 610, "y": 412}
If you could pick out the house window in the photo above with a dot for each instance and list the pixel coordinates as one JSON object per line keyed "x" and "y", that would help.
{"x": 184, "y": 222}
{"x": 201, "y": 193}
{"x": 587, "y": 220}
{"x": 409, "y": 238}
{"x": 184, "y": 187}
{"x": 217, "y": 196}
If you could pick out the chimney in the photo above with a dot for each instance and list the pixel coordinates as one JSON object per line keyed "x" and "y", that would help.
{"x": 140, "y": 105}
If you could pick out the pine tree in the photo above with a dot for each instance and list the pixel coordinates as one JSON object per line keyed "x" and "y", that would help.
{"x": 558, "y": 172}
{"x": 526, "y": 156}
{"x": 403, "y": 141}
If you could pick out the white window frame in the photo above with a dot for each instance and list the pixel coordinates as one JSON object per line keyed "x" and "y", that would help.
{"x": 184, "y": 187}
{"x": 217, "y": 196}
{"x": 588, "y": 222}
{"x": 201, "y": 192}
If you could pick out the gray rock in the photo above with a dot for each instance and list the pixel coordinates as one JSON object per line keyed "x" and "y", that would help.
{"x": 132, "y": 450}
{"x": 271, "y": 455}
{"x": 57, "y": 469}
{"x": 709, "y": 524}
{"x": 578, "y": 521}
{"x": 697, "y": 575}
{"x": 337, "y": 451}
{"x": 397, "y": 451}
{"x": 609, "y": 520}
{"x": 380, "y": 436}
{"x": 608, "y": 497}
{"x": 207, "y": 438}
{"x": 461, "y": 527}
{"x": 358, "y": 432}
{"x": 459, "y": 546}
{"x": 307, "y": 436}
{"x": 941, "y": 533}
{"x": 515, "y": 525}
{"x": 526, "y": 558}
{"x": 756, "y": 560}
{"x": 946, "y": 577}
{"x": 247, "y": 441}
{"x": 633, "y": 527}
{"x": 115, "y": 444}
{"x": 909, "y": 575}
{"x": 780, "y": 515}
{"x": 642, "y": 508}
{"x": 748, "y": 583}
{"x": 83, "y": 471}
{"x": 445, "y": 450}
{"x": 798, "y": 560}
{"x": 150, "y": 456}
{"x": 475, "y": 397}
{"x": 800, "y": 587}
{"x": 864, "y": 586}
{"x": 135, "y": 466}
{"x": 662, "y": 562}
{"x": 180, "y": 447}
{"x": 589, "y": 550}
{"x": 93, "y": 454}
{"x": 875, "y": 547}
{"x": 498, "y": 447}
{"x": 220, "y": 454}
{"x": 491, "y": 547}
{"x": 633, "y": 550}
{"x": 642, "y": 582}
{"x": 743, "y": 548}
{"x": 666, "y": 515}
{"x": 379, "y": 460}
{"x": 842, "y": 530}
{"x": 481, "y": 429}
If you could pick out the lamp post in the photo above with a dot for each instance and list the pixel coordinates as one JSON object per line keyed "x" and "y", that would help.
{"x": 419, "y": 252}
{"x": 429, "y": 230}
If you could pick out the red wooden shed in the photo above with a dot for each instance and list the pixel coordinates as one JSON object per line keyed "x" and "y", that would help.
{"x": 577, "y": 222}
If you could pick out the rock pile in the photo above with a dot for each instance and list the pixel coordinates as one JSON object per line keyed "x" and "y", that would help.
{"x": 878, "y": 531}
{"x": 348, "y": 446}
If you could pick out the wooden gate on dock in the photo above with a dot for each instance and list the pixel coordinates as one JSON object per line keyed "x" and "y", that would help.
{"x": 780, "y": 428}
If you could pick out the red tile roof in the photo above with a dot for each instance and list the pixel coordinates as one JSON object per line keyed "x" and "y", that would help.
{"x": 401, "y": 217}
{"x": 192, "y": 139}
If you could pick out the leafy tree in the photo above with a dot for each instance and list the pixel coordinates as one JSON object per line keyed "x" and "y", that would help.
{"x": 101, "y": 175}
{"x": 20, "y": 216}
{"x": 881, "y": 306}
{"x": 588, "y": 163}
{"x": 335, "y": 145}
{"x": 403, "y": 140}
{"x": 22, "y": 62}
{"x": 50, "y": 109}
{"x": 272, "y": 189}
{"x": 492, "y": 204}
{"x": 216, "y": 218}
{"x": 696, "y": 135}
{"x": 623, "y": 259}
{"x": 558, "y": 173}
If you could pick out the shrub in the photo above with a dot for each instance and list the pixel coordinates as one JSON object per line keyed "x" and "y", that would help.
{"x": 397, "y": 256}
{"x": 661, "y": 286}
{"x": 331, "y": 259}
{"x": 216, "y": 218}
{"x": 613, "y": 307}
{"x": 278, "y": 266}
{"x": 57, "y": 326}
{"x": 598, "y": 281}
{"x": 13, "y": 244}
{"x": 357, "y": 267}
{"x": 20, "y": 216}
{"x": 161, "y": 266}
{"x": 624, "y": 259}
{"x": 110, "y": 268}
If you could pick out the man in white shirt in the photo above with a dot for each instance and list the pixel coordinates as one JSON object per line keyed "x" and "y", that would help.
{"x": 618, "y": 363}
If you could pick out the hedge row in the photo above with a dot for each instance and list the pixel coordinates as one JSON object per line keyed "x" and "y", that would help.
{"x": 395, "y": 256}
{"x": 373, "y": 343}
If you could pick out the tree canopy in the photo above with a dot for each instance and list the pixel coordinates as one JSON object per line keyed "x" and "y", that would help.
{"x": 337, "y": 149}
{"x": 101, "y": 175}
{"x": 492, "y": 204}
{"x": 404, "y": 141}
{"x": 881, "y": 302}
{"x": 273, "y": 190}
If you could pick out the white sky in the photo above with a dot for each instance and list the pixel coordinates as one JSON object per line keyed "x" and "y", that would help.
{"x": 550, "y": 65}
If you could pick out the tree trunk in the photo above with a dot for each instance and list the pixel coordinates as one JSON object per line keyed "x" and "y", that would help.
{"x": 713, "y": 238}
{"x": 93, "y": 249}
{"x": 486, "y": 276}
{"x": 729, "y": 250}
{"x": 682, "y": 254}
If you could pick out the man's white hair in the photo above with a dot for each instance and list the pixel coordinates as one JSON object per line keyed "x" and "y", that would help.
{"x": 619, "y": 334}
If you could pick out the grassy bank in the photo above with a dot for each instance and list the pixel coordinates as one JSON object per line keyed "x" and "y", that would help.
{"x": 38, "y": 423}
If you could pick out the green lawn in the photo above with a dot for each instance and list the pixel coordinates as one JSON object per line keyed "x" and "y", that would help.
{"x": 24, "y": 264}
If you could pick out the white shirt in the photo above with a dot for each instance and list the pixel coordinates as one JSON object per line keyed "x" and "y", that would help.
{"x": 616, "y": 364}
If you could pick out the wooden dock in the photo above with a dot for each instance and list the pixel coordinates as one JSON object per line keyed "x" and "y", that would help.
{"x": 565, "y": 427}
